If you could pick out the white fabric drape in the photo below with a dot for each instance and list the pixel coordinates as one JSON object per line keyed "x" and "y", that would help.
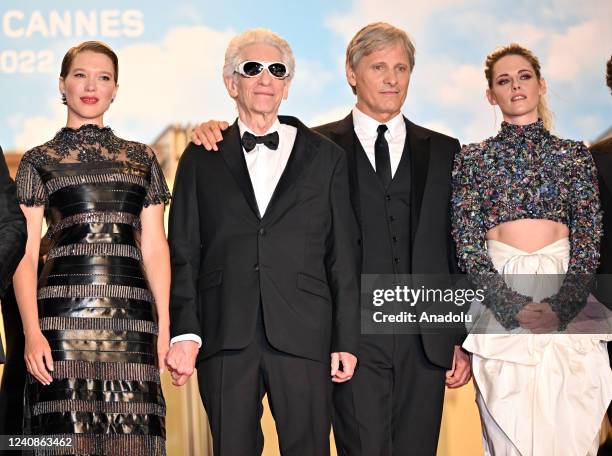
{"x": 539, "y": 394}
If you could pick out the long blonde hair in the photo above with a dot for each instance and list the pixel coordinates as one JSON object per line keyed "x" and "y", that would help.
{"x": 516, "y": 49}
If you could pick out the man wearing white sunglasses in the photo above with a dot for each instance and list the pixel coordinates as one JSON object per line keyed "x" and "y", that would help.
{"x": 265, "y": 255}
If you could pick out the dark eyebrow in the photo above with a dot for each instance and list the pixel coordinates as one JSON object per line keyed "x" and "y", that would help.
{"x": 520, "y": 71}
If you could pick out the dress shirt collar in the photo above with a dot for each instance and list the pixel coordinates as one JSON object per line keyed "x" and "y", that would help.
{"x": 367, "y": 126}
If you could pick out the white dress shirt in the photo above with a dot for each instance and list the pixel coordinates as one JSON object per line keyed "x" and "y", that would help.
{"x": 266, "y": 165}
{"x": 366, "y": 131}
{"x": 265, "y": 168}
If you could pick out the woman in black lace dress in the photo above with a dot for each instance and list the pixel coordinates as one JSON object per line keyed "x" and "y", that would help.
{"x": 97, "y": 324}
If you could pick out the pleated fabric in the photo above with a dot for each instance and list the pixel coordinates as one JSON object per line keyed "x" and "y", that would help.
{"x": 539, "y": 394}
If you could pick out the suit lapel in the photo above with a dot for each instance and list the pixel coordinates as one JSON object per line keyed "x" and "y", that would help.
{"x": 604, "y": 167}
{"x": 301, "y": 156}
{"x": 344, "y": 136}
{"x": 231, "y": 151}
{"x": 403, "y": 167}
{"x": 419, "y": 155}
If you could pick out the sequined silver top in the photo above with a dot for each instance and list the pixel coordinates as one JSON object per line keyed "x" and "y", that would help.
{"x": 525, "y": 172}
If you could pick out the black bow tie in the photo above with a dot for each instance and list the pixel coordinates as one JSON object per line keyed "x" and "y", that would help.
{"x": 249, "y": 141}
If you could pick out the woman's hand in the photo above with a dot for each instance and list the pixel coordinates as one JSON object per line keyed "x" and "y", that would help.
{"x": 163, "y": 345}
{"x": 538, "y": 317}
{"x": 37, "y": 355}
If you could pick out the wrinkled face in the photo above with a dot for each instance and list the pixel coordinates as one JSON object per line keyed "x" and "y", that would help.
{"x": 516, "y": 89}
{"x": 381, "y": 80}
{"x": 89, "y": 87}
{"x": 260, "y": 94}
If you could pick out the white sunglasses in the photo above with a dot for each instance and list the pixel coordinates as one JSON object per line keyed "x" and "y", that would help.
{"x": 253, "y": 68}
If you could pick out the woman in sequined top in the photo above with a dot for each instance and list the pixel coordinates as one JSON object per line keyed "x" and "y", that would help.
{"x": 526, "y": 202}
{"x": 97, "y": 323}
{"x": 528, "y": 188}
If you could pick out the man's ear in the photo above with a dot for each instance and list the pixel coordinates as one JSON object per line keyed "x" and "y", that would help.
{"x": 286, "y": 90}
{"x": 231, "y": 86}
{"x": 350, "y": 76}
{"x": 491, "y": 97}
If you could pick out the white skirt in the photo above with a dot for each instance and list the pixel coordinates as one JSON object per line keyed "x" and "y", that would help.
{"x": 539, "y": 394}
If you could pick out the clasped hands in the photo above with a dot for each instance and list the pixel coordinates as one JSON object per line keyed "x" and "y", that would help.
{"x": 181, "y": 359}
{"x": 538, "y": 317}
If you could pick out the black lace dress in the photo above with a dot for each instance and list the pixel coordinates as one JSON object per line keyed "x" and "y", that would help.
{"x": 94, "y": 303}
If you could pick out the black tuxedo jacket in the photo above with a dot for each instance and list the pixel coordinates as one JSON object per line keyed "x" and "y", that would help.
{"x": 602, "y": 154}
{"x": 12, "y": 231}
{"x": 300, "y": 260}
{"x": 432, "y": 247}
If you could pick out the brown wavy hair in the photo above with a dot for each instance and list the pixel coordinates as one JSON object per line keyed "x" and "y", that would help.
{"x": 516, "y": 49}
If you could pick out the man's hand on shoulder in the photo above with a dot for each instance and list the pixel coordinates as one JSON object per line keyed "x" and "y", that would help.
{"x": 208, "y": 134}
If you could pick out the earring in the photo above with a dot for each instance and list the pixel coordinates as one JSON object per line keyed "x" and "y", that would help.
{"x": 112, "y": 99}
{"x": 63, "y": 97}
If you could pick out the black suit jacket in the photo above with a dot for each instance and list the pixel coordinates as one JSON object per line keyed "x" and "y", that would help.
{"x": 602, "y": 155}
{"x": 12, "y": 231}
{"x": 432, "y": 247}
{"x": 300, "y": 260}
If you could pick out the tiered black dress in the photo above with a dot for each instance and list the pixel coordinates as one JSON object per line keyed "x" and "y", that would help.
{"x": 94, "y": 303}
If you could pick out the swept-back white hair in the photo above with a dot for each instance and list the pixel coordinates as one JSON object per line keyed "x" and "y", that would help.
{"x": 256, "y": 36}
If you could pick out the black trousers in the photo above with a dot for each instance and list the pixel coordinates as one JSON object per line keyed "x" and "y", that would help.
{"x": 393, "y": 404}
{"x": 232, "y": 385}
{"x": 14, "y": 375}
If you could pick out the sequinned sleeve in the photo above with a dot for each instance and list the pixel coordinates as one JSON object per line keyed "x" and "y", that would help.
{"x": 469, "y": 228}
{"x": 585, "y": 225}
{"x": 31, "y": 190}
{"x": 158, "y": 192}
